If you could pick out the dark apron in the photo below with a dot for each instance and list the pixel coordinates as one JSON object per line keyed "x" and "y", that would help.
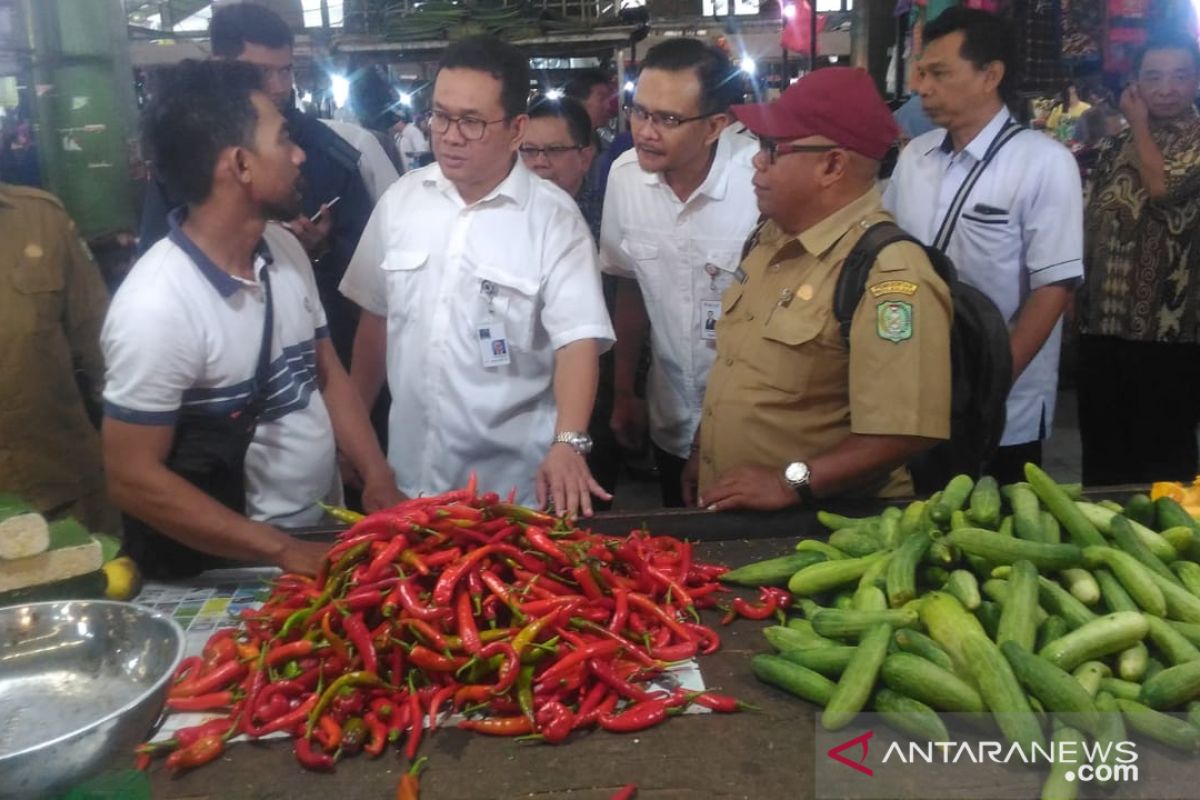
{"x": 208, "y": 452}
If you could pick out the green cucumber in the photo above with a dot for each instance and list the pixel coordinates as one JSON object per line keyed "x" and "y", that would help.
{"x": 1082, "y": 585}
{"x": 1114, "y": 594}
{"x": 1027, "y": 519}
{"x": 1111, "y": 633}
{"x": 1173, "y": 645}
{"x": 852, "y": 624}
{"x": 1169, "y": 514}
{"x": 923, "y": 680}
{"x": 1140, "y": 508}
{"x": 818, "y": 578}
{"x": 1060, "y": 783}
{"x": 918, "y": 644}
{"x": 1189, "y": 630}
{"x": 1059, "y": 503}
{"x": 1153, "y": 667}
{"x": 1005, "y": 550}
{"x": 1051, "y": 530}
{"x": 818, "y": 546}
{"x": 1136, "y": 579}
{"x": 1089, "y": 674}
{"x": 1018, "y": 620}
{"x": 836, "y": 522}
{"x": 857, "y": 680}
{"x": 974, "y": 654}
{"x": 910, "y": 520}
{"x": 1127, "y": 540}
{"x": 988, "y": 615}
{"x": 902, "y": 569}
{"x": 1188, "y": 573}
{"x": 794, "y": 637}
{"x": 869, "y": 597}
{"x": 1058, "y": 600}
{"x": 889, "y": 529}
{"x": 1181, "y": 604}
{"x": 942, "y": 553}
{"x": 1112, "y": 730}
{"x": 1125, "y": 690}
{"x": 1168, "y": 730}
{"x": 965, "y": 587}
{"x": 1180, "y": 537}
{"x": 1006, "y": 526}
{"x": 1102, "y": 519}
{"x": 793, "y": 678}
{"x": 854, "y": 542}
{"x": 911, "y": 717}
{"x": 1051, "y": 628}
{"x": 1132, "y": 663}
{"x": 772, "y": 571}
{"x": 953, "y": 497}
{"x": 1056, "y": 689}
{"x": 1172, "y": 687}
{"x": 829, "y": 661}
{"x": 984, "y": 507}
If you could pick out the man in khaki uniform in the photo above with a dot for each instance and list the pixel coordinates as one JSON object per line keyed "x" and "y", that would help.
{"x": 52, "y": 303}
{"x": 790, "y": 412}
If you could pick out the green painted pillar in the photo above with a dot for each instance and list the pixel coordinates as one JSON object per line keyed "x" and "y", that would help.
{"x": 84, "y": 104}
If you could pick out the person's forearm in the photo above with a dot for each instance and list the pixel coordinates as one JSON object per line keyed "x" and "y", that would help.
{"x": 576, "y": 375}
{"x": 861, "y": 459}
{"x": 1040, "y": 313}
{"x": 631, "y": 324}
{"x": 368, "y": 363}
{"x": 170, "y": 504}
{"x": 351, "y": 423}
{"x": 1150, "y": 164}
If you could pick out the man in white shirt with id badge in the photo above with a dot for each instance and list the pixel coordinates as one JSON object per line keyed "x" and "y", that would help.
{"x": 481, "y": 302}
{"x": 1003, "y": 202}
{"x": 677, "y": 212}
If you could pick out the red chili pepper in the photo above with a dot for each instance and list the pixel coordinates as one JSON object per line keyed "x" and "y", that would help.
{"x": 583, "y": 576}
{"x": 410, "y": 782}
{"x": 414, "y": 560}
{"x": 721, "y": 703}
{"x": 605, "y": 707}
{"x": 362, "y": 600}
{"x": 198, "y": 753}
{"x": 554, "y": 722}
{"x": 219, "y": 677}
{"x": 310, "y": 759}
{"x": 184, "y": 671}
{"x": 141, "y": 761}
{"x": 541, "y": 542}
{"x": 644, "y": 603}
{"x": 335, "y": 641}
{"x": 707, "y": 638}
{"x": 471, "y": 694}
{"x": 383, "y": 562}
{"x": 220, "y": 648}
{"x": 411, "y": 603}
{"x": 415, "y": 726}
{"x": 744, "y": 608}
{"x": 291, "y": 719}
{"x": 577, "y": 658}
{"x": 286, "y": 652}
{"x": 442, "y": 557}
{"x": 378, "y": 734}
{"x": 621, "y": 611}
{"x": 201, "y": 702}
{"x": 328, "y": 733}
{"x": 509, "y": 670}
{"x": 275, "y": 706}
{"x": 507, "y": 532}
{"x": 360, "y": 637}
{"x": 443, "y": 591}
{"x": 604, "y": 672}
{"x": 499, "y": 726}
{"x": 467, "y": 629}
{"x": 626, "y": 792}
{"x": 189, "y": 736}
{"x": 438, "y": 700}
{"x": 675, "y": 652}
{"x": 636, "y": 718}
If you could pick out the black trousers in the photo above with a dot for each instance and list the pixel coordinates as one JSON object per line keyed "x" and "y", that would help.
{"x": 1139, "y": 404}
{"x": 670, "y": 471}
{"x": 1008, "y": 465}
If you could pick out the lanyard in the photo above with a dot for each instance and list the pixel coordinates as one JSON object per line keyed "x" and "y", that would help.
{"x": 946, "y": 230}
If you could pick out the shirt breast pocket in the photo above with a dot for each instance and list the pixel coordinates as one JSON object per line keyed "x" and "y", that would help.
{"x": 403, "y": 268}
{"x": 988, "y": 232}
{"x": 791, "y": 349}
{"x": 38, "y": 289}
{"x": 509, "y": 297}
{"x": 720, "y": 266}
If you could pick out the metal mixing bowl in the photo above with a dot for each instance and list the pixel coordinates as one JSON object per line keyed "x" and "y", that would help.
{"x": 81, "y": 684}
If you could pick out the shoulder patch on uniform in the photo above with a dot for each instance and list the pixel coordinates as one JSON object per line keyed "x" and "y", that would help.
{"x": 894, "y": 320}
{"x": 893, "y": 287}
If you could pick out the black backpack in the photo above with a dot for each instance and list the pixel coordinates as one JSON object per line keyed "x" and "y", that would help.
{"x": 980, "y": 360}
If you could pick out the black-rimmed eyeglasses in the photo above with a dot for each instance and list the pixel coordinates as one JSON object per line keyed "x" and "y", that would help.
{"x": 470, "y": 128}
{"x": 659, "y": 119}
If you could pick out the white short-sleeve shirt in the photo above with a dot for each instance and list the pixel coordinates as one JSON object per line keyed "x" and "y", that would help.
{"x": 683, "y": 256}
{"x": 182, "y": 338}
{"x": 439, "y": 270}
{"x": 1020, "y": 229}
{"x": 377, "y": 170}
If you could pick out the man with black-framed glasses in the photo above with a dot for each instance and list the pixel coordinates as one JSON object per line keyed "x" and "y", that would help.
{"x": 796, "y": 406}
{"x": 481, "y": 302}
{"x": 677, "y": 210}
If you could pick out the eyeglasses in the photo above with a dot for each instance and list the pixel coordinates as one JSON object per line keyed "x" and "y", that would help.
{"x": 773, "y": 149}
{"x": 660, "y": 120}
{"x": 552, "y": 152}
{"x": 470, "y": 128}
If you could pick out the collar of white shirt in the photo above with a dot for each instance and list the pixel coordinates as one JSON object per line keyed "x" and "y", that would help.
{"x": 515, "y": 187}
{"x": 978, "y": 147}
{"x": 715, "y": 183}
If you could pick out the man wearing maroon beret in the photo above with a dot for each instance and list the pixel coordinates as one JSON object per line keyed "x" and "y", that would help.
{"x": 791, "y": 411}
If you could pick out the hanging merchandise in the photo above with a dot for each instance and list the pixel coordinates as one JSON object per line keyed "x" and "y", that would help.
{"x": 1127, "y": 20}
{"x": 797, "y": 31}
{"x": 1039, "y": 44}
{"x": 1083, "y": 31}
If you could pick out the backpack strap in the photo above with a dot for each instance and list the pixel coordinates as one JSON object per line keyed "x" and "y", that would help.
{"x": 852, "y": 281}
{"x": 1007, "y": 133}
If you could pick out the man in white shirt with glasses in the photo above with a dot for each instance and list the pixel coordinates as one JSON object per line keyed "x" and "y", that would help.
{"x": 481, "y": 302}
{"x": 677, "y": 211}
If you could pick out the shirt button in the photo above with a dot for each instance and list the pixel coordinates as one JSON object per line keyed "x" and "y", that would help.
{"x": 729, "y": 362}
{"x": 749, "y": 315}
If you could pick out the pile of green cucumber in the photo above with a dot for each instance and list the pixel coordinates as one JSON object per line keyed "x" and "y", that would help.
{"x": 1023, "y": 601}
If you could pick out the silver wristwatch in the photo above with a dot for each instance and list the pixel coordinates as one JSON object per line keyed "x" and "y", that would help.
{"x": 798, "y": 476}
{"x": 577, "y": 440}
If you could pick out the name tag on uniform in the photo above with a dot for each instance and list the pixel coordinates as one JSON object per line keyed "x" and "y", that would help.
{"x": 710, "y": 312}
{"x": 493, "y": 344}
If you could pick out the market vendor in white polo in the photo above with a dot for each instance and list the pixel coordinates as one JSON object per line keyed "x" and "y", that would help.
{"x": 224, "y": 393}
{"x": 481, "y": 302}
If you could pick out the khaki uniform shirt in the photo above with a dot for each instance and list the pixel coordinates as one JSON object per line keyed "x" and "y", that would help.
{"x": 52, "y": 303}
{"x": 784, "y": 387}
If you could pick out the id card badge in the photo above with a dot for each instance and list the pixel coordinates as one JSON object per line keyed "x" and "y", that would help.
{"x": 493, "y": 343}
{"x": 710, "y": 312}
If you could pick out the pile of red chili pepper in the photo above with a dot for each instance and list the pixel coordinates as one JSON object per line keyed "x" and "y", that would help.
{"x": 527, "y": 625}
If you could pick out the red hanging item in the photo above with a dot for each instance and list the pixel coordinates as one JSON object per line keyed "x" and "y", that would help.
{"x": 797, "y": 28}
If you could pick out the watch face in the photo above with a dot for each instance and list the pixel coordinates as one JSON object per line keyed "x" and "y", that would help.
{"x": 796, "y": 472}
